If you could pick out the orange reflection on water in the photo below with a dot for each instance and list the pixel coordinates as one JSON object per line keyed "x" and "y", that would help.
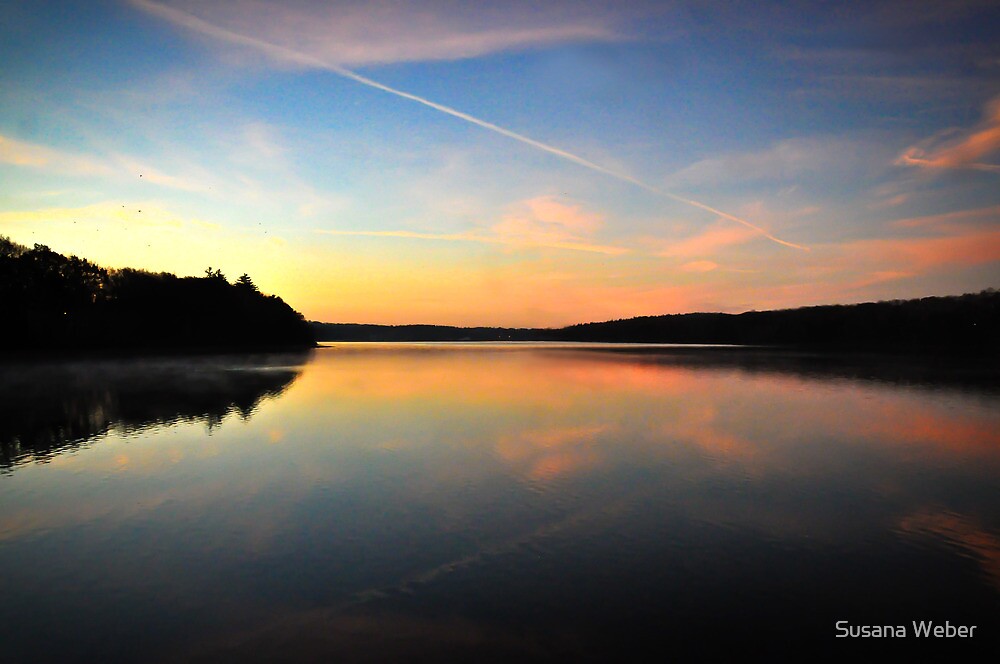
{"x": 488, "y": 374}
{"x": 449, "y": 415}
{"x": 545, "y": 454}
{"x": 554, "y": 413}
{"x": 964, "y": 434}
{"x": 408, "y": 477}
{"x": 961, "y": 531}
{"x": 701, "y": 426}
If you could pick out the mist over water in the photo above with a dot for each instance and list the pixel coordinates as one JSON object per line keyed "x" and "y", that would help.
{"x": 530, "y": 501}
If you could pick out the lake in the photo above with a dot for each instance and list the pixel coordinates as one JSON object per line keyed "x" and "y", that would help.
{"x": 495, "y": 502}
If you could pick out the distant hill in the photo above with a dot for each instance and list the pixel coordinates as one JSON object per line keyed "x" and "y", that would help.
{"x": 53, "y": 301}
{"x": 970, "y": 321}
{"x": 364, "y": 332}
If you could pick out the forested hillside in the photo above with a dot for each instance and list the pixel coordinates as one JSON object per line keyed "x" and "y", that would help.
{"x": 961, "y": 322}
{"x": 65, "y": 302}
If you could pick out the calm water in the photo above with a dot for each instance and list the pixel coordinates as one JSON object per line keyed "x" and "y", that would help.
{"x": 507, "y": 502}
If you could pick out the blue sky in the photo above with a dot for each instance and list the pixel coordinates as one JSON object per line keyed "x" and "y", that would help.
{"x": 675, "y": 156}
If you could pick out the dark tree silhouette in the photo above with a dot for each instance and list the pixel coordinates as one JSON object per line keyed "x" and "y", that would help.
{"x": 54, "y": 301}
{"x": 247, "y": 283}
{"x": 968, "y": 322}
{"x": 217, "y": 274}
{"x": 964, "y": 322}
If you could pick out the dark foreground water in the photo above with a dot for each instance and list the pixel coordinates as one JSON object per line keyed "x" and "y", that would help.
{"x": 507, "y": 502}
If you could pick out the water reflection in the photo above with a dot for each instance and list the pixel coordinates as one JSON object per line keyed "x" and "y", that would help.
{"x": 512, "y": 502}
{"x": 50, "y": 407}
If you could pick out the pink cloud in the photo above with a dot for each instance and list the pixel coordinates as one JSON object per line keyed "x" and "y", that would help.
{"x": 953, "y": 221}
{"x": 547, "y": 220}
{"x": 381, "y": 32}
{"x": 708, "y": 242}
{"x": 550, "y": 210}
{"x": 699, "y": 266}
{"x": 537, "y": 222}
{"x": 963, "y": 152}
{"x": 924, "y": 254}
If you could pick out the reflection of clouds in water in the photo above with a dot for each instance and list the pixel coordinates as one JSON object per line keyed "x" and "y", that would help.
{"x": 947, "y": 432}
{"x": 702, "y": 427}
{"x": 759, "y": 418}
{"x": 548, "y": 453}
{"x": 400, "y": 474}
{"x": 486, "y": 376}
{"x": 961, "y": 532}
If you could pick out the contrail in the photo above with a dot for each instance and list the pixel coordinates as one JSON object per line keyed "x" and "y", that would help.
{"x": 194, "y": 23}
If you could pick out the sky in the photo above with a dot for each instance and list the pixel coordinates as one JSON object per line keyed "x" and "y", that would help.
{"x": 516, "y": 163}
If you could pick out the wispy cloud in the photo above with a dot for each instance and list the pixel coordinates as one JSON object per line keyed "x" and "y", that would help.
{"x": 699, "y": 266}
{"x": 920, "y": 255}
{"x": 547, "y": 221}
{"x": 543, "y": 222}
{"x": 297, "y": 57}
{"x": 553, "y": 212}
{"x": 788, "y": 160}
{"x": 707, "y": 243}
{"x": 107, "y": 215}
{"x": 953, "y": 222}
{"x": 865, "y": 268}
{"x": 357, "y": 33}
{"x": 488, "y": 239}
{"x": 963, "y": 151}
{"x": 262, "y": 174}
{"x": 32, "y": 155}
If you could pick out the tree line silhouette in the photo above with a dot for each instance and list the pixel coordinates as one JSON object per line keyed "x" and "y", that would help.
{"x": 963, "y": 322}
{"x": 55, "y": 301}
{"x": 402, "y": 333}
